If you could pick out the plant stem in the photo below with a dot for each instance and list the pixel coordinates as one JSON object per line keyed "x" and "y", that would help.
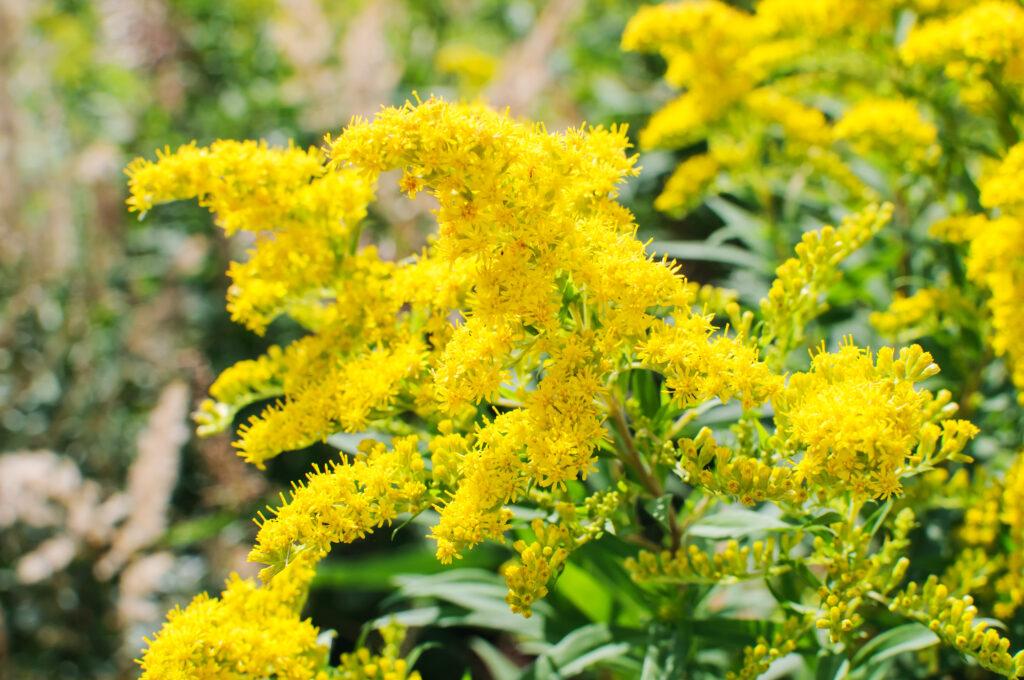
{"x": 631, "y": 457}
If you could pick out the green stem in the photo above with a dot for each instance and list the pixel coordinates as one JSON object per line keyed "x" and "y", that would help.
{"x": 630, "y": 455}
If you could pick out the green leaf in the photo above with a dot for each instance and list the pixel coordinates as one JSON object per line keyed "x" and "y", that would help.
{"x": 736, "y": 523}
{"x": 603, "y": 560}
{"x": 825, "y": 519}
{"x": 191, "y": 531}
{"x": 788, "y": 586}
{"x": 832, "y": 667}
{"x": 784, "y": 667}
{"x": 666, "y": 654}
{"x": 379, "y": 570}
{"x": 700, "y": 251}
{"x": 498, "y": 665}
{"x": 413, "y": 656}
{"x": 741, "y": 224}
{"x": 659, "y": 509}
{"x": 877, "y": 517}
{"x": 731, "y": 631}
{"x": 478, "y": 596}
{"x": 906, "y": 638}
{"x": 587, "y": 593}
{"x": 577, "y": 642}
{"x": 606, "y": 652}
{"x": 762, "y": 435}
{"x": 647, "y": 391}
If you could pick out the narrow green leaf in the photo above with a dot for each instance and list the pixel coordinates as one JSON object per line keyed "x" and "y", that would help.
{"x": 603, "y": 653}
{"x": 659, "y": 509}
{"x": 748, "y": 227}
{"x": 583, "y": 590}
{"x": 498, "y": 665}
{"x": 825, "y": 519}
{"x": 544, "y": 669}
{"x": 832, "y": 667}
{"x": 579, "y": 641}
{"x": 736, "y": 523}
{"x": 413, "y": 656}
{"x": 647, "y": 391}
{"x": 877, "y": 517}
{"x": 906, "y": 638}
{"x": 378, "y": 570}
{"x": 698, "y": 250}
{"x": 191, "y": 531}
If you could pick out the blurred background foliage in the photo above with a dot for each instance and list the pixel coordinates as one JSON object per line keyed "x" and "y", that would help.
{"x": 111, "y": 510}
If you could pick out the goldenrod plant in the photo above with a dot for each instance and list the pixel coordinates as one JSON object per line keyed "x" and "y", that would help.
{"x": 695, "y": 484}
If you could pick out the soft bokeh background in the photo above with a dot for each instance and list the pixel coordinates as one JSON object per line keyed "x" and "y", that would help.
{"x": 111, "y": 329}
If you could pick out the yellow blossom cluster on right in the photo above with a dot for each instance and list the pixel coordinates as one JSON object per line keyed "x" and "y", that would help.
{"x": 995, "y": 247}
{"x": 858, "y": 423}
{"x": 753, "y": 81}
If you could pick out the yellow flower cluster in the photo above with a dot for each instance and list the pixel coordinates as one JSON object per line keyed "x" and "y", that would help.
{"x": 992, "y": 516}
{"x": 698, "y": 368}
{"x": 860, "y": 424}
{"x": 473, "y": 66}
{"x": 853, "y": 571}
{"x": 687, "y": 183}
{"x": 757, "y": 658}
{"x": 995, "y": 247}
{"x": 560, "y": 286}
{"x": 741, "y": 99}
{"x": 540, "y": 562}
{"x": 250, "y": 631}
{"x": 343, "y": 503}
{"x": 703, "y": 44}
{"x": 796, "y": 295}
{"x": 246, "y": 382}
{"x": 692, "y": 565}
{"x": 749, "y": 479}
{"x": 913, "y": 315}
{"x": 364, "y": 665}
{"x": 535, "y": 262}
{"x": 973, "y": 569}
{"x": 491, "y": 474}
{"x": 987, "y": 32}
{"x": 827, "y": 18}
{"x": 759, "y": 71}
{"x": 304, "y": 216}
{"x": 952, "y": 619}
{"x": 891, "y": 128}
{"x": 1004, "y": 187}
{"x": 981, "y": 518}
{"x": 1010, "y": 586}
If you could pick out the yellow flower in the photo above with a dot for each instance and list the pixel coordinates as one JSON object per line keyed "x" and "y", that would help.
{"x": 342, "y": 503}
{"x": 855, "y": 424}
{"x": 249, "y": 631}
{"x": 889, "y": 128}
